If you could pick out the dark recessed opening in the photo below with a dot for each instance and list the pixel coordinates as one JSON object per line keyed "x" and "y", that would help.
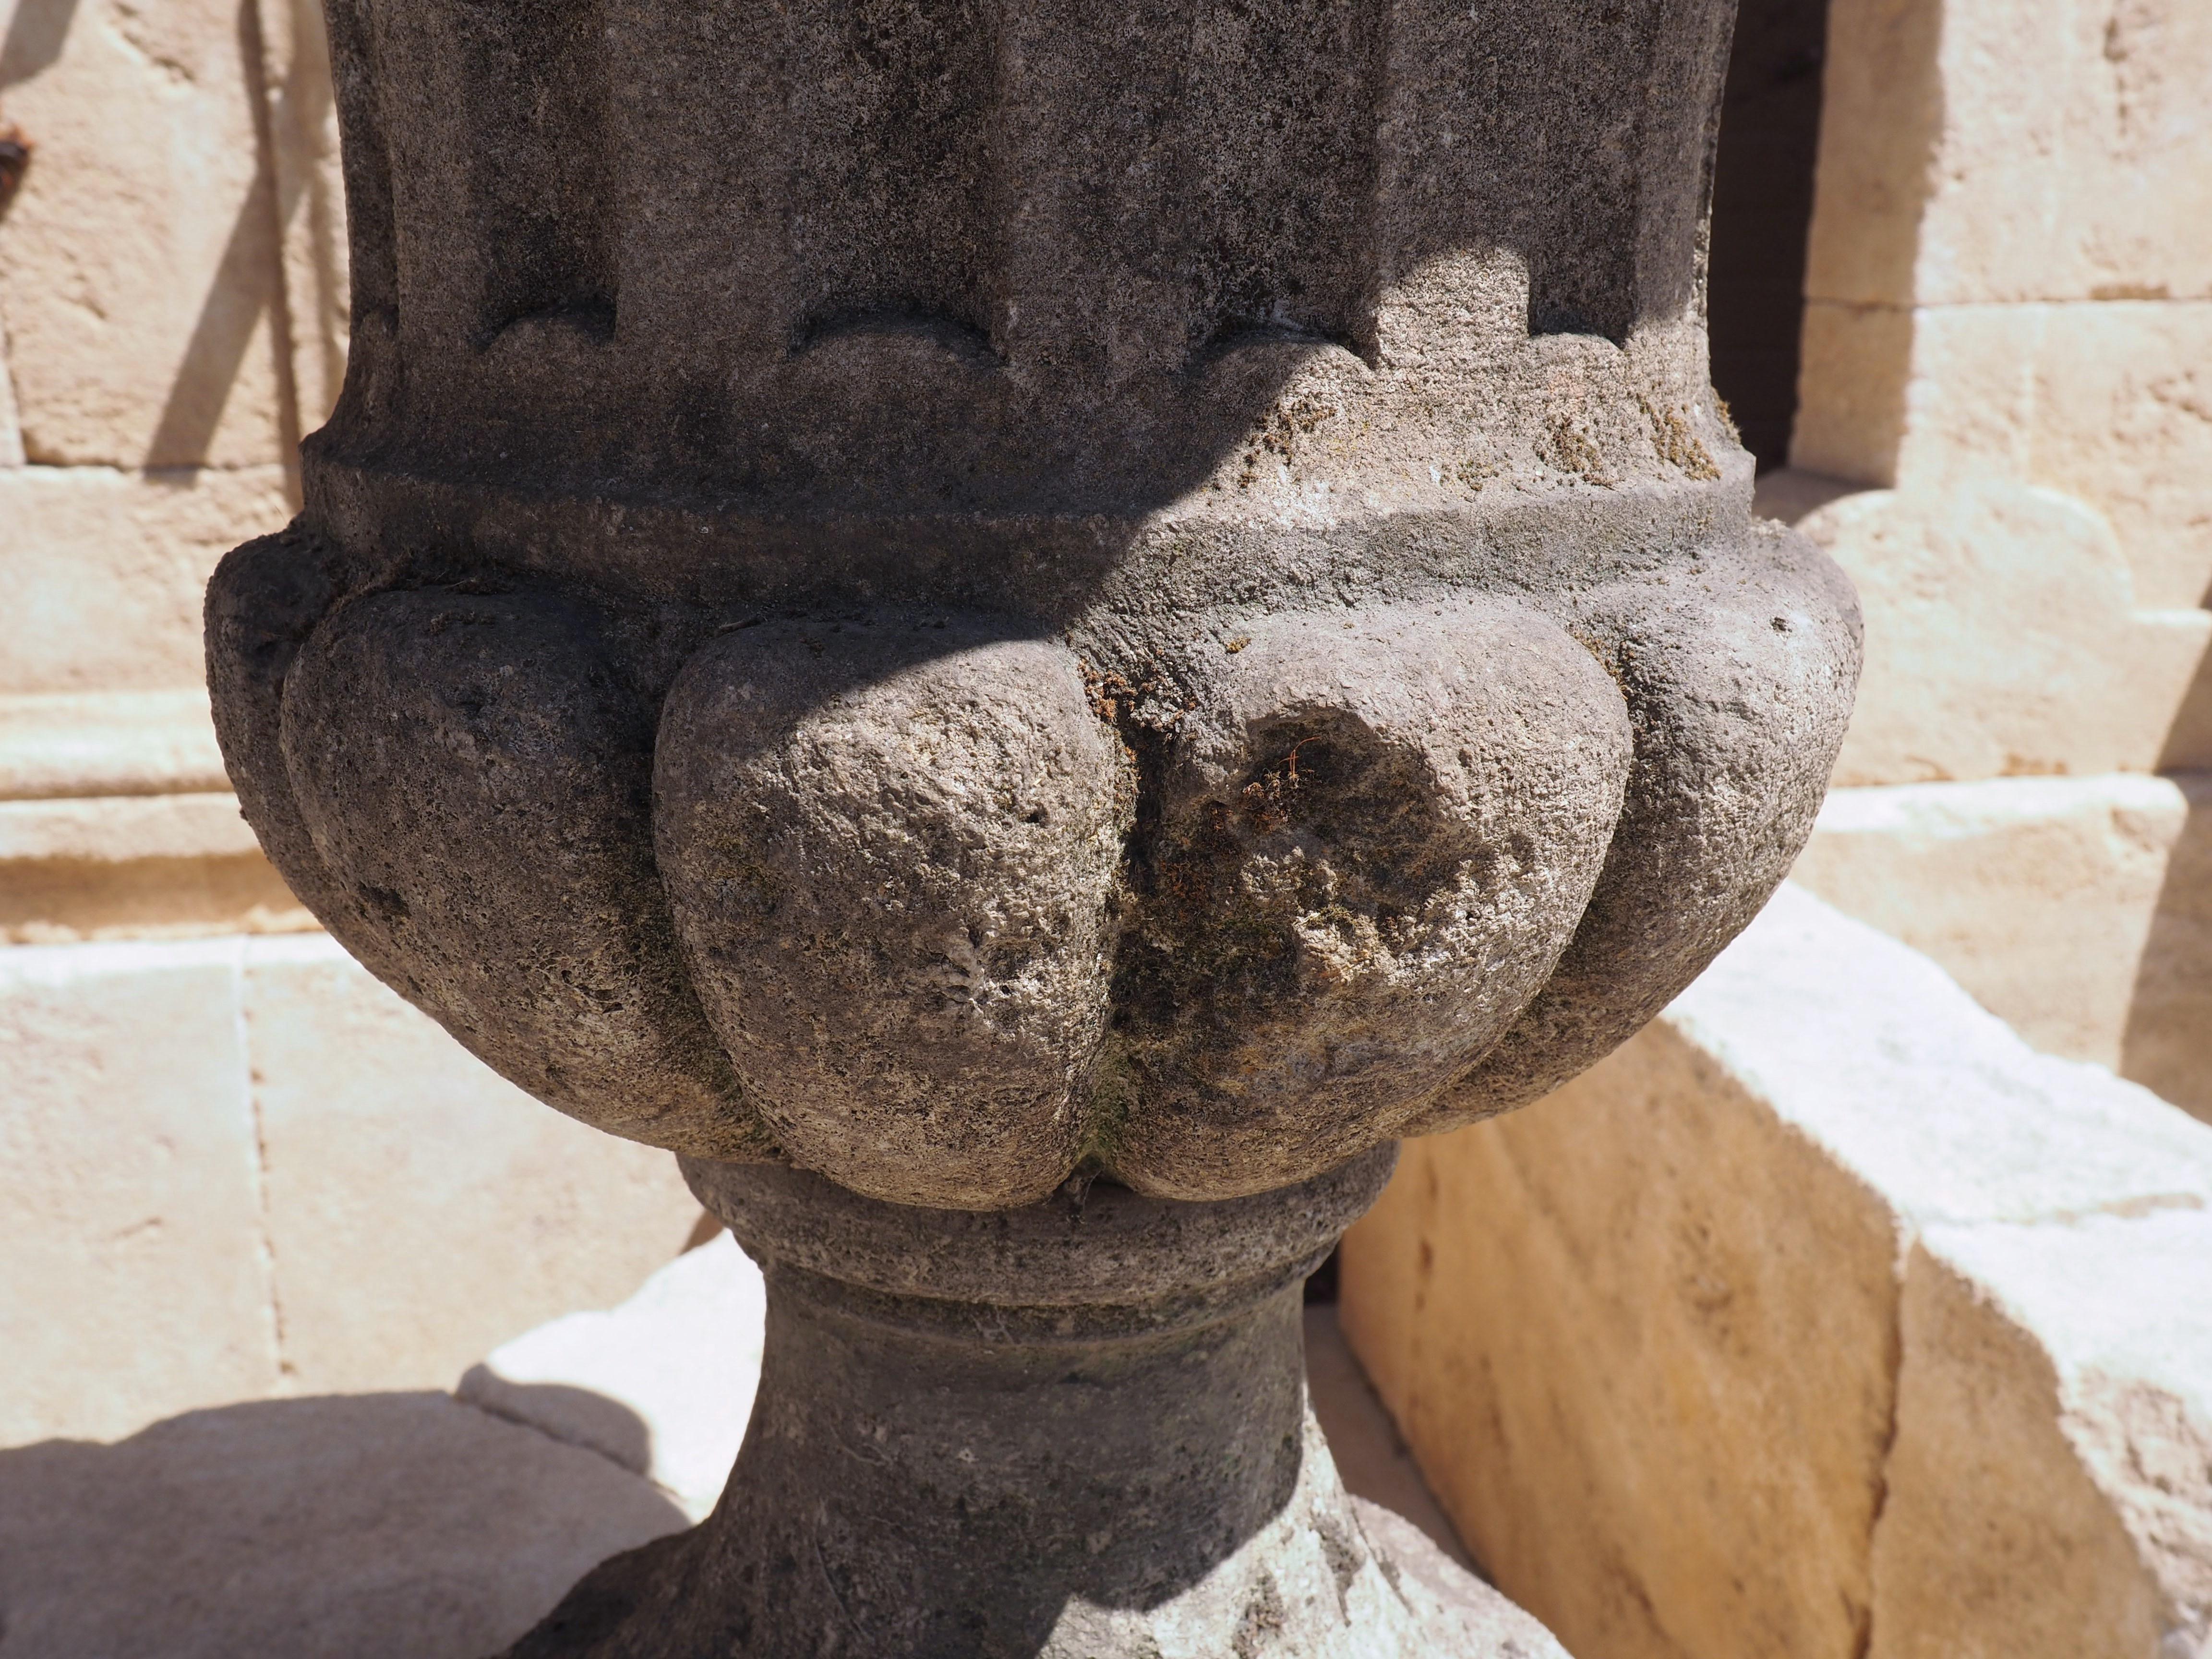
{"x": 1762, "y": 211}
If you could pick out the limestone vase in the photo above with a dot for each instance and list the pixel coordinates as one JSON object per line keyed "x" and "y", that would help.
{"x": 1027, "y": 631}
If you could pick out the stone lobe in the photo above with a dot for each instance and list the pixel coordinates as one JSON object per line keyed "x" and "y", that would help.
{"x": 891, "y": 843}
{"x": 1376, "y": 832}
{"x": 473, "y": 768}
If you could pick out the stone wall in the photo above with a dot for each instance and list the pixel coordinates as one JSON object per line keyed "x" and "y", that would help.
{"x": 1826, "y": 1318}
{"x": 2004, "y": 434}
{"x": 235, "y": 1166}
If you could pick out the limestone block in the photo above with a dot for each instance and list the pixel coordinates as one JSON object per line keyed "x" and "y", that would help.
{"x": 2109, "y": 402}
{"x": 2168, "y": 1044}
{"x": 2055, "y": 1410}
{"x": 139, "y": 266}
{"x": 357, "y": 1527}
{"x": 117, "y": 822}
{"x": 421, "y": 1211}
{"x": 137, "y": 866}
{"x": 11, "y": 424}
{"x": 1881, "y": 119}
{"x": 103, "y": 570}
{"x": 2095, "y": 186}
{"x": 136, "y": 1282}
{"x": 303, "y": 142}
{"x": 1940, "y": 184}
{"x": 1593, "y": 1322}
{"x": 2123, "y": 418}
{"x": 1854, "y": 368}
{"x": 1638, "y": 1332}
{"x": 2002, "y": 638}
{"x": 2042, "y": 896}
{"x": 114, "y": 742}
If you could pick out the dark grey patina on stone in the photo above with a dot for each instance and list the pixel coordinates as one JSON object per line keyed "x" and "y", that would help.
{"x": 1010, "y": 623}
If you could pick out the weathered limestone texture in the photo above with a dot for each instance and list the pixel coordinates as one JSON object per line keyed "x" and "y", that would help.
{"x": 1008, "y": 657}
{"x": 2075, "y": 907}
{"x": 1826, "y": 1254}
{"x": 238, "y": 1168}
{"x": 2003, "y": 638}
{"x": 139, "y": 260}
{"x": 2011, "y": 293}
{"x": 136, "y": 1286}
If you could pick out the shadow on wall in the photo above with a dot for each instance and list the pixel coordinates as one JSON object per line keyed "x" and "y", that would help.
{"x": 2168, "y": 1045}
{"x": 351, "y": 1527}
{"x": 34, "y": 37}
{"x": 1762, "y": 212}
{"x": 246, "y": 280}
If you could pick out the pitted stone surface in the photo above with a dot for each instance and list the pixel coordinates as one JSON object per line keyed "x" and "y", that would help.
{"x": 1375, "y": 834}
{"x": 1004, "y": 603}
{"x": 891, "y": 845}
{"x": 1313, "y": 406}
{"x": 490, "y": 819}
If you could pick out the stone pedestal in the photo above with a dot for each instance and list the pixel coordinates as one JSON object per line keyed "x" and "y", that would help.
{"x": 1077, "y": 1429}
{"x": 966, "y": 598}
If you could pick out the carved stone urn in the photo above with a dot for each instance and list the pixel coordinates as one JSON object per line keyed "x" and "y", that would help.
{"x": 1027, "y": 631}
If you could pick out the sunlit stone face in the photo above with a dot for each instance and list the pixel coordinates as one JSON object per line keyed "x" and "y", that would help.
{"x": 954, "y": 594}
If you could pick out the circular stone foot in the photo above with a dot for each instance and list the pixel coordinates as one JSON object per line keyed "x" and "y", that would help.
{"x": 1332, "y": 1576}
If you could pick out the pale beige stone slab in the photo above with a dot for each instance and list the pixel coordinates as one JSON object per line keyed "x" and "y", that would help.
{"x": 421, "y": 1210}
{"x": 1854, "y": 375}
{"x": 1642, "y": 1330}
{"x": 122, "y": 829}
{"x": 108, "y": 743}
{"x": 346, "y": 1528}
{"x": 137, "y": 1284}
{"x": 139, "y": 266}
{"x": 2071, "y": 907}
{"x": 11, "y": 424}
{"x": 2003, "y": 638}
{"x": 2056, "y": 1410}
{"x": 137, "y": 866}
{"x": 1991, "y": 150}
{"x": 1881, "y": 120}
{"x": 663, "y": 1384}
{"x": 2111, "y": 403}
{"x": 105, "y": 570}
{"x": 117, "y": 822}
{"x": 1634, "y": 1334}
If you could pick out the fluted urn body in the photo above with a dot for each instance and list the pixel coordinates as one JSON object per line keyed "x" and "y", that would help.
{"x": 974, "y": 598}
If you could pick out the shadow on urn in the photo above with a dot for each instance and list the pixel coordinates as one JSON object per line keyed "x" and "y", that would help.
{"x": 1028, "y": 632}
